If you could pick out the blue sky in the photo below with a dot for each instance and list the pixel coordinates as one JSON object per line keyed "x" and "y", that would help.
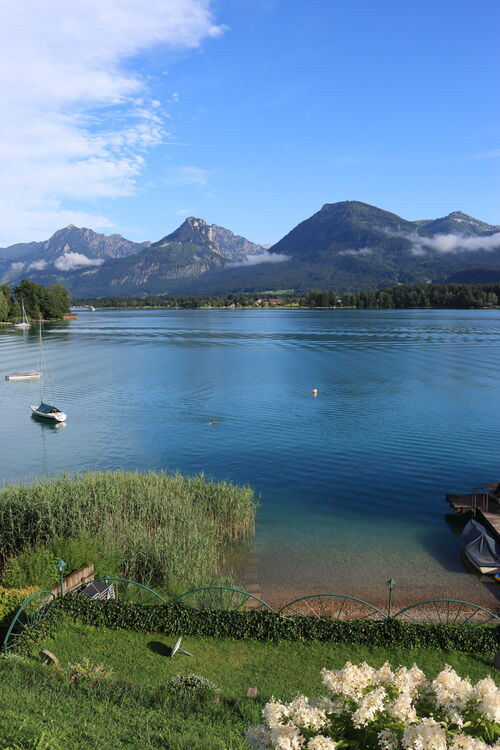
{"x": 128, "y": 117}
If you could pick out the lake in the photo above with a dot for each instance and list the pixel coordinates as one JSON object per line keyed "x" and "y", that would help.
{"x": 352, "y": 482}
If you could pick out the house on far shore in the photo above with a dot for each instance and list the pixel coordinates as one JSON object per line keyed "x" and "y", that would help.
{"x": 275, "y": 301}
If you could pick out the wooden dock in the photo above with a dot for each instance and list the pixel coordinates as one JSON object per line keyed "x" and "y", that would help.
{"x": 485, "y": 506}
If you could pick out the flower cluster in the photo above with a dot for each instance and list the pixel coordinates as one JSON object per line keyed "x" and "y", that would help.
{"x": 385, "y": 709}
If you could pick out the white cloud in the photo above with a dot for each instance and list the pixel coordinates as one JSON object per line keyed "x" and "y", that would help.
{"x": 453, "y": 243}
{"x": 71, "y": 261}
{"x": 184, "y": 212}
{"x": 187, "y": 176}
{"x": 255, "y": 260}
{"x": 16, "y": 267}
{"x": 363, "y": 251}
{"x": 38, "y": 265}
{"x": 80, "y": 120}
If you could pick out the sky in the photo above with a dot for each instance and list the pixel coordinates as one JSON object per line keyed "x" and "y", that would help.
{"x": 125, "y": 116}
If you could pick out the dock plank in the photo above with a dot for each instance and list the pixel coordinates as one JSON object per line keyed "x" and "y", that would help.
{"x": 485, "y": 508}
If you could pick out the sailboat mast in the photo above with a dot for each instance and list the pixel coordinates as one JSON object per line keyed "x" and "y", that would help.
{"x": 40, "y": 356}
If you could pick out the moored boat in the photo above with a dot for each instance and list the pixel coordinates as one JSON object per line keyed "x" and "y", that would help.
{"x": 481, "y": 549}
{"x": 46, "y": 411}
{"x": 23, "y": 324}
{"x": 31, "y": 375}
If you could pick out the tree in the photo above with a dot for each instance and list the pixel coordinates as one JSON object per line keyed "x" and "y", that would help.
{"x": 57, "y": 301}
{"x": 32, "y": 296}
{"x": 4, "y": 307}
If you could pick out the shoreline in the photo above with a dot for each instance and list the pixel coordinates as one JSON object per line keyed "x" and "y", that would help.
{"x": 286, "y": 307}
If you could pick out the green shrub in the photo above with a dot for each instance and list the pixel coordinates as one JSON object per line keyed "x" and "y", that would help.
{"x": 83, "y": 550}
{"x": 10, "y": 601}
{"x": 192, "y": 683}
{"x": 89, "y": 672}
{"x": 33, "y": 566}
{"x": 176, "y": 618}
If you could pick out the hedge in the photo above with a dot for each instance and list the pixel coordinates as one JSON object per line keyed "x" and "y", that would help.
{"x": 10, "y": 601}
{"x": 179, "y": 619}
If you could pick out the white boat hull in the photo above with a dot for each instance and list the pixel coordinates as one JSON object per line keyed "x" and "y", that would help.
{"x": 23, "y": 326}
{"x": 483, "y": 569}
{"x": 58, "y": 416}
{"x": 24, "y": 375}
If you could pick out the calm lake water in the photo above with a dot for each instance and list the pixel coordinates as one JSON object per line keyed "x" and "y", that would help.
{"x": 352, "y": 482}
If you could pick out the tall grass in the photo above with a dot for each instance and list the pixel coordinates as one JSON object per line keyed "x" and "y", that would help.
{"x": 168, "y": 530}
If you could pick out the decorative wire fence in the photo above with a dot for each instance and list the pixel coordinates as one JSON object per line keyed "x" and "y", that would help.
{"x": 216, "y": 598}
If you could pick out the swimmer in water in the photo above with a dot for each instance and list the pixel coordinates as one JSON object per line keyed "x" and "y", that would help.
{"x": 212, "y": 421}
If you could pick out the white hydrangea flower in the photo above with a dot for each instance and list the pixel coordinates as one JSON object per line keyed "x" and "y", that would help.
{"x": 274, "y": 713}
{"x": 349, "y": 681}
{"x": 402, "y": 708}
{"x": 463, "y": 742}
{"x": 426, "y": 735}
{"x": 483, "y": 687}
{"x": 287, "y": 738}
{"x": 409, "y": 680}
{"x": 258, "y": 737}
{"x": 384, "y": 674}
{"x": 486, "y": 693}
{"x": 489, "y": 706}
{"x": 305, "y": 714}
{"x": 321, "y": 743}
{"x": 387, "y": 740}
{"x": 450, "y": 690}
{"x": 368, "y": 706}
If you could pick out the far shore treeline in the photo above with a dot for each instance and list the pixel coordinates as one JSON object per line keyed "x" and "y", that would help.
{"x": 50, "y": 303}
{"x": 453, "y": 296}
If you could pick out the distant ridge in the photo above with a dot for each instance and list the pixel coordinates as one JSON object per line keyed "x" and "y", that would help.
{"x": 346, "y": 246}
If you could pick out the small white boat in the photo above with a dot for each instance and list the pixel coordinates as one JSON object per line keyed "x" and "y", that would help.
{"x": 24, "y": 323}
{"x": 46, "y": 411}
{"x": 31, "y": 375}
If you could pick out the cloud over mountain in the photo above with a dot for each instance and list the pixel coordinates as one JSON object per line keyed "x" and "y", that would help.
{"x": 454, "y": 243}
{"x": 256, "y": 260}
{"x": 71, "y": 261}
{"x": 357, "y": 253}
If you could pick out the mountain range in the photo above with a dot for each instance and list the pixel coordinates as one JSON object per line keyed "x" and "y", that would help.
{"x": 344, "y": 246}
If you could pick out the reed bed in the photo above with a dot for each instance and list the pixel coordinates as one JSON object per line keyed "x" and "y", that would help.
{"x": 171, "y": 531}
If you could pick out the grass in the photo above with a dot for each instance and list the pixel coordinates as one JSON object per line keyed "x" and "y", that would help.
{"x": 134, "y": 709}
{"x": 167, "y": 530}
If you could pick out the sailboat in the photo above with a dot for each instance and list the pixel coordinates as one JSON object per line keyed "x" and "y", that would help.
{"x": 24, "y": 323}
{"x": 46, "y": 411}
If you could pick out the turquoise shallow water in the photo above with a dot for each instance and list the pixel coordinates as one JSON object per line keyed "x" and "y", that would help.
{"x": 352, "y": 482}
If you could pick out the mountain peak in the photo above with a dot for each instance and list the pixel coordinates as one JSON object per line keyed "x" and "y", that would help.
{"x": 459, "y": 223}
{"x": 192, "y": 230}
{"x": 193, "y": 221}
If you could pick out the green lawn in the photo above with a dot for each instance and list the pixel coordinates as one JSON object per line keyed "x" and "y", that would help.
{"x": 133, "y": 709}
